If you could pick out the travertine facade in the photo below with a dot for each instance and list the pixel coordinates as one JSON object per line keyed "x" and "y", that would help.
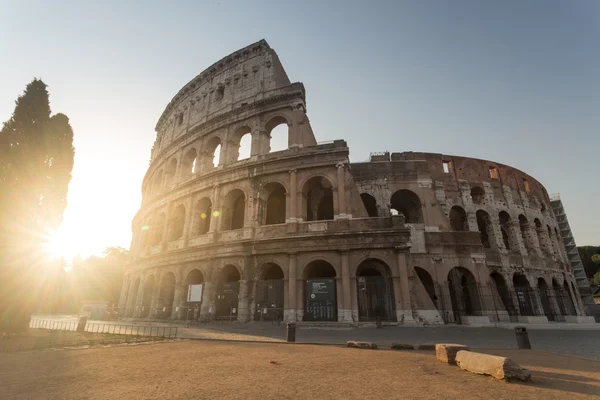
{"x": 303, "y": 234}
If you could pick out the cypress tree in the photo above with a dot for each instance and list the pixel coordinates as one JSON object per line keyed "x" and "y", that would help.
{"x": 36, "y": 160}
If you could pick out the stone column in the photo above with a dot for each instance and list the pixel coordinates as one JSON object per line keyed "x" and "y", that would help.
{"x": 139, "y": 298}
{"x": 472, "y": 221}
{"x": 243, "y": 309}
{"x": 165, "y": 233}
{"x": 346, "y": 311}
{"x": 497, "y": 231}
{"x": 292, "y": 216}
{"x": 516, "y": 232}
{"x": 292, "y": 281}
{"x": 178, "y": 298}
{"x": 341, "y": 190}
{"x": 123, "y": 296}
{"x": 208, "y": 298}
{"x": 215, "y": 221}
{"x": 189, "y": 219}
{"x": 405, "y": 313}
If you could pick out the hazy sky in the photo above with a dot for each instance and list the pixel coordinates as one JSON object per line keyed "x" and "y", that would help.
{"x": 511, "y": 81}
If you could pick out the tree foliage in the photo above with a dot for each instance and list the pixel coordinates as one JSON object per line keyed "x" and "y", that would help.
{"x": 36, "y": 160}
{"x": 596, "y": 280}
{"x": 586, "y": 253}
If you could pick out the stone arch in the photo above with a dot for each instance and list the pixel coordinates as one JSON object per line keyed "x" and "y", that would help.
{"x": 545, "y": 296}
{"x": 570, "y": 297}
{"x": 240, "y": 144}
{"x": 177, "y": 223}
{"x": 278, "y": 131}
{"x": 370, "y": 204}
{"x": 170, "y": 173}
{"x": 234, "y": 210}
{"x": 228, "y": 289}
{"x": 269, "y": 293}
{"x": 158, "y": 229}
{"x": 542, "y": 236}
{"x": 157, "y": 181}
{"x": 212, "y": 154}
{"x": 477, "y": 195}
{"x": 458, "y": 219}
{"x": 503, "y": 292}
{"x": 375, "y": 291}
{"x": 320, "y": 294}
{"x": 194, "y": 277}
{"x": 272, "y": 204}
{"x": 408, "y": 203}
{"x": 486, "y": 230}
{"x": 508, "y": 238}
{"x": 427, "y": 282}
{"x": 131, "y": 302}
{"x": 317, "y": 198}
{"x": 189, "y": 164}
{"x": 464, "y": 293}
{"x": 524, "y": 294}
{"x": 147, "y": 296}
{"x": 526, "y": 232}
{"x": 166, "y": 295}
{"x": 201, "y": 217}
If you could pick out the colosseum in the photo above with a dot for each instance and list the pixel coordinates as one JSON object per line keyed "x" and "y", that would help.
{"x": 233, "y": 228}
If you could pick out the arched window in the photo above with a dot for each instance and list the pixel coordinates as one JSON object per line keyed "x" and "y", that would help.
{"x": 212, "y": 153}
{"x": 166, "y": 296}
{"x": 477, "y": 195}
{"x": 484, "y": 224}
{"x": 370, "y": 204}
{"x": 542, "y": 236}
{"x": 188, "y": 165}
{"x": 234, "y": 209}
{"x": 525, "y": 232}
{"x": 157, "y": 181}
{"x": 408, "y": 203}
{"x": 318, "y": 198}
{"x": 458, "y": 219}
{"x": 202, "y": 215}
{"x": 524, "y": 294}
{"x": 158, "y": 228}
{"x": 272, "y": 204}
{"x": 170, "y": 173}
{"x": 278, "y": 131}
{"x": 427, "y": 282}
{"x": 241, "y": 143}
{"x": 177, "y": 223}
{"x": 464, "y": 292}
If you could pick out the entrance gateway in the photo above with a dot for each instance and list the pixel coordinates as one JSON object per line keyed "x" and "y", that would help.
{"x": 320, "y": 300}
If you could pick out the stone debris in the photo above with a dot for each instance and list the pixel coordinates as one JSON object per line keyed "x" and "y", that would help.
{"x": 446, "y": 352}
{"x": 402, "y": 346}
{"x": 425, "y": 346}
{"x": 361, "y": 345}
{"x": 496, "y": 366}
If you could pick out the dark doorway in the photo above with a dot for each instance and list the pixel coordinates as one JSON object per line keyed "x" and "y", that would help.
{"x": 269, "y": 294}
{"x": 375, "y": 292}
{"x": 320, "y": 293}
{"x": 228, "y": 291}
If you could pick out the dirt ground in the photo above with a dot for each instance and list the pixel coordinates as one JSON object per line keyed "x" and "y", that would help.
{"x": 42, "y": 338}
{"x": 210, "y": 370}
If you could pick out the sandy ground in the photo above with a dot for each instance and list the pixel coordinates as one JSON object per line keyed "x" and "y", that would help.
{"x": 211, "y": 370}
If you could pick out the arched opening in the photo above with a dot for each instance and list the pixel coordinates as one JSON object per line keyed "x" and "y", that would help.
{"x": 147, "y": 297}
{"x": 272, "y": 203}
{"x": 188, "y": 164}
{"x": 320, "y": 294}
{"x": 170, "y": 173}
{"x": 193, "y": 291}
{"x": 427, "y": 282}
{"x": 507, "y": 235}
{"x": 542, "y": 237}
{"x": 525, "y": 232}
{"x": 269, "y": 295}
{"x": 370, "y": 204}
{"x": 464, "y": 293}
{"x": 375, "y": 292}
{"x": 560, "y": 298}
{"x": 278, "y": 131}
{"x": 228, "y": 290}
{"x": 177, "y": 223}
{"x": 234, "y": 208}
{"x": 545, "y": 299}
{"x": 132, "y": 300}
{"x": 318, "y": 197}
{"x": 157, "y": 182}
{"x": 569, "y": 300}
{"x": 212, "y": 153}
{"x": 158, "y": 228}
{"x": 241, "y": 144}
{"x": 503, "y": 293}
{"x": 458, "y": 219}
{"x": 166, "y": 295}
{"x": 408, "y": 203}
{"x": 202, "y": 215}
{"x": 484, "y": 224}
{"x": 477, "y": 195}
{"x": 524, "y": 294}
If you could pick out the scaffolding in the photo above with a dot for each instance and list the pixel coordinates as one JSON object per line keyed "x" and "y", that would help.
{"x": 571, "y": 248}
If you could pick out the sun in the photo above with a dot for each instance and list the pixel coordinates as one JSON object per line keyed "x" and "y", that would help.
{"x": 60, "y": 246}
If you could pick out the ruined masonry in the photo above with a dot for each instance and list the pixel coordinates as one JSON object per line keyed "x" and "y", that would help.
{"x": 302, "y": 234}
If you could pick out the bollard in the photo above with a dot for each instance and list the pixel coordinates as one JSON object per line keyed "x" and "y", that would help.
{"x": 291, "y": 332}
{"x": 378, "y": 322}
{"x": 522, "y": 337}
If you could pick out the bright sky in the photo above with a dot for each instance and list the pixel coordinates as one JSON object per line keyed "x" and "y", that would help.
{"x": 512, "y": 81}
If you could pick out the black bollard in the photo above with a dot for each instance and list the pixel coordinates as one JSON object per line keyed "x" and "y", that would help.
{"x": 522, "y": 337}
{"x": 378, "y": 322}
{"x": 291, "y": 332}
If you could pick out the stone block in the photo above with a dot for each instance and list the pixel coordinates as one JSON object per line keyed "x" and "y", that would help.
{"x": 485, "y": 364}
{"x": 579, "y": 319}
{"x": 475, "y": 320}
{"x": 446, "y": 352}
{"x": 402, "y": 346}
{"x": 361, "y": 345}
{"x": 425, "y": 346}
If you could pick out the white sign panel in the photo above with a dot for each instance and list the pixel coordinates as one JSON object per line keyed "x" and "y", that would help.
{"x": 194, "y": 293}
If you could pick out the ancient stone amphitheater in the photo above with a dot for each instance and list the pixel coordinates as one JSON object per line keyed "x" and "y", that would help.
{"x": 303, "y": 234}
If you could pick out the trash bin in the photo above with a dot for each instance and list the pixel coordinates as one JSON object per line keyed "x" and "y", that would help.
{"x": 522, "y": 337}
{"x": 291, "y": 332}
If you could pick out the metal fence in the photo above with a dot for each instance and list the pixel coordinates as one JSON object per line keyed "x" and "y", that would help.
{"x": 105, "y": 327}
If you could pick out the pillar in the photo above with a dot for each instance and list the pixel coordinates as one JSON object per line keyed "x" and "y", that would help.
{"x": 189, "y": 220}
{"x": 215, "y": 221}
{"x": 345, "y": 311}
{"x": 404, "y": 313}
{"x": 178, "y": 298}
{"x": 165, "y": 233}
{"x": 139, "y": 297}
{"x": 208, "y": 298}
{"x": 292, "y": 282}
{"x": 243, "y": 312}
{"x": 341, "y": 190}
{"x": 293, "y": 198}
